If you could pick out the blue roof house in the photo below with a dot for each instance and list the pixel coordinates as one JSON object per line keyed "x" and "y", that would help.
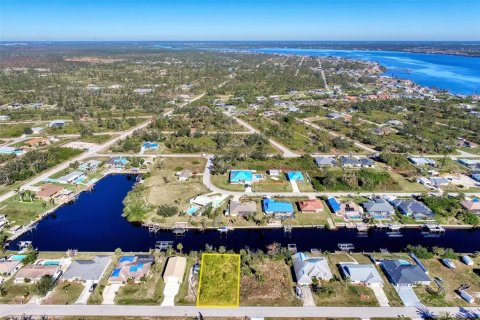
{"x": 277, "y": 209}
{"x": 295, "y": 176}
{"x": 241, "y": 176}
{"x": 333, "y": 204}
{"x": 150, "y": 146}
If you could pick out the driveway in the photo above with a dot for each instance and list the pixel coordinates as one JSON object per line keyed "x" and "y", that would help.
{"x": 380, "y": 295}
{"x": 408, "y": 296}
{"x": 109, "y": 293}
{"x": 169, "y": 292}
{"x": 83, "y": 298}
{"x": 307, "y": 296}
{"x": 294, "y": 186}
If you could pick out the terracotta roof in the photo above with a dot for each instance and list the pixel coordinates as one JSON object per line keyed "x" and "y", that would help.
{"x": 310, "y": 205}
{"x": 36, "y": 271}
{"x": 49, "y": 190}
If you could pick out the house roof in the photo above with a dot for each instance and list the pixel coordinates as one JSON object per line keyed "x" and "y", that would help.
{"x": 325, "y": 161}
{"x": 71, "y": 176}
{"x": 271, "y": 206}
{"x": 87, "y": 269}
{"x": 307, "y": 267}
{"x": 185, "y": 173}
{"x": 241, "y": 208}
{"x": 131, "y": 267}
{"x": 48, "y": 190}
{"x": 175, "y": 268}
{"x": 7, "y": 266}
{"x": 365, "y": 273}
{"x": 471, "y": 204}
{"x": 311, "y": 205}
{"x": 378, "y": 205}
{"x": 401, "y": 272}
{"x": 412, "y": 206}
{"x": 295, "y": 176}
{"x": 241, "y": 176}
{"x": 36, "y": 271}
{"x": 334, "y": 204}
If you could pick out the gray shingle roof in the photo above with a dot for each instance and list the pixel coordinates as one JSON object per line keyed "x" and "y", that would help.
{"x": 401, "y": 273}
{"x": 87, "y": 269}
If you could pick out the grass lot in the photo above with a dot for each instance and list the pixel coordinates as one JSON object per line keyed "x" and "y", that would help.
{"x": 16, "y": 293}
{"x": 271, "y": 285}
{"x": 65, "y": 293}
{"x": 219, "y": 280}
{"x": 21, "y": 213}
{"x": 340, "y": 294}
{"x": 100, "y": 138}
{"x": 149, "y": 292}
{"x": 463, "y": 274}
{"x": 221, "y": 181}
{"x": 12, "y": 130}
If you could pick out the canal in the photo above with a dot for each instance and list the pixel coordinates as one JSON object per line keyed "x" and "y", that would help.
{"x": 95, "y": 223}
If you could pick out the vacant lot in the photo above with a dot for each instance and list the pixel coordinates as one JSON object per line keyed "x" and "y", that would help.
{"x": 16, "y": 293}
{"x": 219, "y": 280}
{"x": 65, "y": 293}
{"x": 271, "y": 285}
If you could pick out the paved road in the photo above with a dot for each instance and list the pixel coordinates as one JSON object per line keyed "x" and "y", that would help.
{"x": 257, "y": 312}
{"x": 88, "y": 154}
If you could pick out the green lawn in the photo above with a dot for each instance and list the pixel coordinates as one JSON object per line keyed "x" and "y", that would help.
{"x": 219, "y": 280}
{"x": 16, "y": 293}
{"x": 221, "y": 181}
{"x": 65, "y": 293}
{"x": 21, "y": 213}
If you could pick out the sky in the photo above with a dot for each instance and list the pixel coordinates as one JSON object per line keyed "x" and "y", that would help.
{"x": 184, "y": 20}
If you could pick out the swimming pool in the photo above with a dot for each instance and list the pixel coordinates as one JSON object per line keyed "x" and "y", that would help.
{"x": 191, "y": 211}
{"x": 51, "y": 263}
{"x": 17, "y": 257}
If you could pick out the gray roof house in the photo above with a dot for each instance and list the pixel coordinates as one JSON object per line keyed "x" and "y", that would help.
{"x": 87, "y": 270}
{"x": 307, "y": 267}
{"x": 325, "y": 161}
{"x": 403, "y": 273}
{"x": 361, "y": 273}
{"x": 353, "y": 162}
{"x": 379, "y": 208}
{"x": 414, "y": 208}
{"x": 184, "y": 175}
{"x": 242, "y": 209}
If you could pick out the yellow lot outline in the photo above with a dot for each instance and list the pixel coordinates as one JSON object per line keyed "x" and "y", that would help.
{"x": 238, "y": 281}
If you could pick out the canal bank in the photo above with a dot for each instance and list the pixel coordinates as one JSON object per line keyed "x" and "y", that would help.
{"x": 95, "y": 223}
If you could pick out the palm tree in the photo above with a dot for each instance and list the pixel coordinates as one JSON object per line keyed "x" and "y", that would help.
{"x": 180, "y": 247}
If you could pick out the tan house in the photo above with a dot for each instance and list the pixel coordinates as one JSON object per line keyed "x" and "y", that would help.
{"x": 471, "y": 204}
{"x": 37, "y": 142}
{"x": 242, "y": 209}
{"x": 49, "y": 191}
{"x": 175, "y": 270}
{"x": 35, "y": 272}
{"x": 7, "y": 268}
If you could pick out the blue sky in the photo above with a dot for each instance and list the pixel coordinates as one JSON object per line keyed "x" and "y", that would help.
{"x": 239, "y": 20}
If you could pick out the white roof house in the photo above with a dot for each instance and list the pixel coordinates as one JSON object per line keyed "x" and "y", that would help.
{"x": 307, "y": 267}
{"x": 361, "y": 273}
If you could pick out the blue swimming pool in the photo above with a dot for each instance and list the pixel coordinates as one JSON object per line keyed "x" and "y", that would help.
{"x": 17, "y": 257}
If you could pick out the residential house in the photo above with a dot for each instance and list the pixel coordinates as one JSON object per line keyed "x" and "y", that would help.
{"x": 36, "y": 130}
{"x": 241, "y": 177}
{"x": 422, "y": 161}
{"x": 11, "y": 150}
{"x": 295, "y": 176}
{"x": 379, "y": 208}
{"x": 49, "y": 191}
{"x": 175, "y": 270}
{"x": 35, "y": 272}
{"x": 334, "y": 116}
{"x": 9, "y": 267}
{"x": 150, "y": 146}
{"x": 90, "y": 165}
{"x": 348, "y": 210}
{"x": 87, "y": 270}
{"x": 72, "y": 177}
{"x": 348, "y": 162}
{"x": 57, "y": 124}
{"x": 132, "y": 269}
{"x": 205, "y": 200}
{"x": 403, "y": 273}
{"x": 413, "y": 208}
{"x": 311, "y": 206}
{"x": 464, "y": 143}
{"x": 365, "y": 274}
{"x": 323, "y": 162}
{"x": 274, "y": 172}
{"x": 184, "y": 175}
{"x": 383, "y": 131}
{"x": 472, "y": 164}
{"x": 117, "y": 162}
{"x": 242, "y": 209}
{"x": 277, "y": 209}
{"x": 471, "y": 204}
{"x": 37, "y": 142}
{"x": 306, "y": 268}
{"x": 394, "y": 123}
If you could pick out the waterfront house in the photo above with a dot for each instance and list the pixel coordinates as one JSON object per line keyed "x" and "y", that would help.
{"x": 475, "y": 176}
{"x": 184, "y": 175}
{"x": 413, "y": 208}
{"x": 311, "y": 206}
{"x": 379, "y": 208}
{"x": 472, "y": 164}
{"x": 364, "y": 274}
{"x": 35, "y": 272}
{"x": 117, "y": 162}
{"x": 242, "y": 209}
{"x": 90, "y": 165}
{"x": 175, "y": 270}
{"x": 205, "y": 200}
{"x": 57, "y": 124}
{"x": 9, "y": 267}
{"x": 348, "y": 210}
{"x": 72, "y": 177}
{"x": 403, "y": 273}
{"x": 131, "y": 269}
{"x": 277, "y": 209}
{"x": 323, "y": 162}
{"x": 49, "y": 191}
{"x": 471, "y": 204}
{"x": 295, "y": 176}
{"x": 307, "y": 267}
{"x": 241, "y": 177}
{"x": 422, "y": 161}
{"x": 87, "y": 270}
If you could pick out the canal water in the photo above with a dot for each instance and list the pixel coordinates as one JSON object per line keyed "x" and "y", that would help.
{"x": 95, "y": 223}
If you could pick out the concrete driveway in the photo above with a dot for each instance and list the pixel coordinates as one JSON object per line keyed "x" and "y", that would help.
{"x": 408, "y": 296}
{"x": 83, "y": 298}
{"x": 169, "y": 292}
{"x": 110, "y": 292}
{"x": 307, "y": 296}
{"x": 380, "y": 295}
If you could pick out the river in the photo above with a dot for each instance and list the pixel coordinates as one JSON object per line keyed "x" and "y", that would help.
{"x": 95, "y": 223}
